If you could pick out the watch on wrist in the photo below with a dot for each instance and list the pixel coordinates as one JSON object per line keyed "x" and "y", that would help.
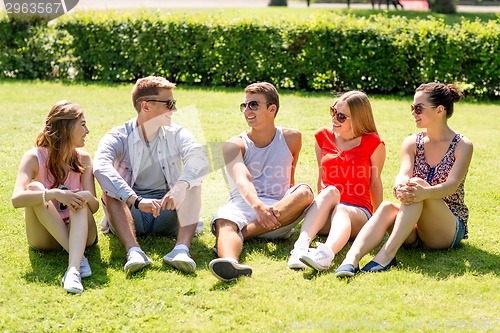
{"x": 136, "y": 202}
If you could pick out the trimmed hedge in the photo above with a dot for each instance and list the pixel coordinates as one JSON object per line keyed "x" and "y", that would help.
{"x": 328, "y": 52}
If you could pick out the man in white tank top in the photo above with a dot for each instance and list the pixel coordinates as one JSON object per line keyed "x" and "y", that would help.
{"x": 260, "y": 165}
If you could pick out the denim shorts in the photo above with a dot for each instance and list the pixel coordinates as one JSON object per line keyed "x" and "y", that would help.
{"x": 459, "y": 233}
{"x": 363, "y": 209}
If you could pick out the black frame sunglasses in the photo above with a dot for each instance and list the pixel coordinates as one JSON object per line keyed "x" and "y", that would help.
{"x": 252, "y": 105}
{"x": 169, "y": 103}
{"x": 341, "y": 117}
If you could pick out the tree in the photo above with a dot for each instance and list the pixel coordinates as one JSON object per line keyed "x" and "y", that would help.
{"x": 278, "y": 2}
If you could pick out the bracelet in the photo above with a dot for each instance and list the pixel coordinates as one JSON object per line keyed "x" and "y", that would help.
{"x": 136, "y": 202}
{"x": 44, "y": 199}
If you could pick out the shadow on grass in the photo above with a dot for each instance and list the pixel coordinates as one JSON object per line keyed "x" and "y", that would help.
{"x": 464, "y": 259}
{"x": 156, "y": 247}
{"x": 49, "y": 266}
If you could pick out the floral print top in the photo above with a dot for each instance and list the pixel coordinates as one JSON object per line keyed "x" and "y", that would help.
{"x": 438, "y": 175}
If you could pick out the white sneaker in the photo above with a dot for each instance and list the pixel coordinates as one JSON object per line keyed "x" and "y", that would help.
{"x": 181, "y": 260}
{"x": 85, "y": 270}
{"x": 72, "y": 282}
{"x": 299, "y": 249}
{"x": 136, "y": 260}
{"x": 320, "y": 258}
{"x": 228, "y": 269}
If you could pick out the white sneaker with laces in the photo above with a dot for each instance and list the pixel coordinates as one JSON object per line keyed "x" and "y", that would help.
{"x": 85, "y": 270}
{"x": 136, "y": 260}
{"x": 299, "y": 249}
{"x": 72, "y": 282}
{"x": 320, "y": 258}
{"x": 180, "y": 259}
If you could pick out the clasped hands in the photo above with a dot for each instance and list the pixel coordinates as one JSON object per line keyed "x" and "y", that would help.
{"x": 170, "y": 201}
{"x": 267, "y": 217}
{"x": 409, "y": 192}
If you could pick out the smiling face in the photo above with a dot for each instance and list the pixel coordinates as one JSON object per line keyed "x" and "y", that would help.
{"x": 157, "y": 108}
{"x": 263, "y": 113}
{"x": 423, "y": 111}
{"x": 343, "y": 129}
{"x": 79, "y": 132}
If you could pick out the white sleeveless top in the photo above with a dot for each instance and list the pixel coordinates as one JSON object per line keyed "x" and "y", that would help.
{"x": 270, "y": 167}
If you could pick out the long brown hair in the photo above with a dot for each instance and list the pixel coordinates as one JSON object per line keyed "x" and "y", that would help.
{"x": 56, "y": 137}
{"x": 361, "y": 112}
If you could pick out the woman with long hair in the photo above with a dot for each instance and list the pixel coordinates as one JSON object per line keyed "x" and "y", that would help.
{"x": 350, "y": 158}
{"x": 56, "y": 187}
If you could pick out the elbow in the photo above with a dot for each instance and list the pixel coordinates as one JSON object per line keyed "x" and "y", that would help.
{"x": 15, "y": 202}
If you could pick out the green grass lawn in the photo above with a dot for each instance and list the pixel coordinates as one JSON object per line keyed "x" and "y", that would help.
{"x": 430, "y": 291}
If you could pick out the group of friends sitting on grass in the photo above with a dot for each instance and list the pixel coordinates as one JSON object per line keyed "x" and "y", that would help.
{"x": 151, "y": 171}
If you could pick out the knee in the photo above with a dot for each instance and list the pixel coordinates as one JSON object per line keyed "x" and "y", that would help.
{"x": 419, "y": 181}
{"x": 331, "y": 193}
{"x": 35, "y": 186}
{"x": 304, "y": 193}
{"x": 387, "y": 207}
{"x": 224, "y": 226}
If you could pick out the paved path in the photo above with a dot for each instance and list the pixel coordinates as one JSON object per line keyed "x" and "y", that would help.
{"x": 120, "y": 4}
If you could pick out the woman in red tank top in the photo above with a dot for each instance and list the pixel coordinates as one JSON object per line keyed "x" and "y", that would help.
{"x": 56, "y": 187}
{"x": 350, "y": 158}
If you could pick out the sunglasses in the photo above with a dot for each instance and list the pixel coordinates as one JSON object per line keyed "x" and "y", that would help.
{"x": 63, "y": 207}
{"x": 252, "y": 105}
{"x": 419, "y": 108}
{"x": 169, "y": 103}
{"x": 341, "y": 117}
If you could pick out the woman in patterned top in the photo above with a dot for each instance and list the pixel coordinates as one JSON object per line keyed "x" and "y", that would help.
{"x": 429, "y": 186}
{"x": 56, "y": 187}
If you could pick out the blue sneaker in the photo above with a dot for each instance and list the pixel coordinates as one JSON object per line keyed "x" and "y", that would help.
{"x": 346, "y": 270}
{"x": 373, "y": 266}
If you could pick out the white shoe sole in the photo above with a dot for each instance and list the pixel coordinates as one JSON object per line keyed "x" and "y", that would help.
{"x": 296, "y": 265}
{"x": 184, "y": 266}
{"x": 134, "y": 267}
{"x": 313, "y": 264}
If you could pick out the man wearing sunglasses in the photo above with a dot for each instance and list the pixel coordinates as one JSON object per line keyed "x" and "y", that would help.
{"x": 150, "y": 171}
{"x": 260, "y": 164}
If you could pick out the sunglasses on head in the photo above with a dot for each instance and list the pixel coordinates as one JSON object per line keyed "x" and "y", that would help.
{"x": 419, "y": 108}
{"x": 63, "y": 207}
{"x": 252, "y": 105}
{"x": 169, "y": 103}
{"x": 341, "y": 117}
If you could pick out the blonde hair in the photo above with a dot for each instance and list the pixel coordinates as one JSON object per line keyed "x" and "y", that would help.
{"x": 149, "y": 87}
{"x": 361, "y": 112}
{"x": 56, "y": 137}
